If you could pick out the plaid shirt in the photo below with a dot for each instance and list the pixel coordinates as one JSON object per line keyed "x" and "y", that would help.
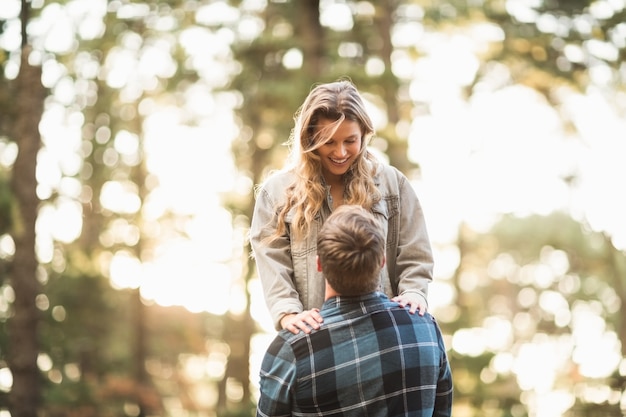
{"x": 370, "y": 358}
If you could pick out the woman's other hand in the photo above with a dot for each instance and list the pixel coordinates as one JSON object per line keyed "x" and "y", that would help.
{"x": 305, "y": 321}
{"x": 415, "y": 302}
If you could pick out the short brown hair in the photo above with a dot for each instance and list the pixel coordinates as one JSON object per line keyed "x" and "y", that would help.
{"x": 351, "y": 250}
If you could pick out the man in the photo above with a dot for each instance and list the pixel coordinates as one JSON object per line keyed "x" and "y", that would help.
{"x": 370, "y": 356}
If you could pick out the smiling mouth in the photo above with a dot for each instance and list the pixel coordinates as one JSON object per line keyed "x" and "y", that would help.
{"x": 339, "y": 161}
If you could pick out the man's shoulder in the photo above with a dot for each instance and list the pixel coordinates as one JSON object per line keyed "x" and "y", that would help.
{"x": 402, "y": 317}
{"x": 282, "y": 346}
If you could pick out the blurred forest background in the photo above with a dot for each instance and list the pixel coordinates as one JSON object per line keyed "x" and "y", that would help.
{"x": 133, "y": 133}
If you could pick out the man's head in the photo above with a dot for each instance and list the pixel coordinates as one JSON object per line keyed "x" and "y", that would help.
{"x": 351, "y": 251}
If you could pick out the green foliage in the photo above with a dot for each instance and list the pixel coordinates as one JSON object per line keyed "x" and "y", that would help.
{"x": 526, "y": 236}
{"x": 89, "y": 337}
{"x": 6, "y": 203}
{"x": 79, "y": 394}
{"x": 530, "y": 244}
{"x": 537, "y": 53}
{"x": 88, "y": 312}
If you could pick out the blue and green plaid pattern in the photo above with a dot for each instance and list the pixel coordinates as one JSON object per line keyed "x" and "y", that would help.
{"x": 370, "y": 358}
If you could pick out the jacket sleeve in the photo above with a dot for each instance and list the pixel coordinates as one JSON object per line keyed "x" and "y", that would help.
{"x": 273, "y": 260}
{"x": 414, "y": 257}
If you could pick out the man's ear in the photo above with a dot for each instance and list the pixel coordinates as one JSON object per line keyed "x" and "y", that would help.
{"x": 319, "y": 264}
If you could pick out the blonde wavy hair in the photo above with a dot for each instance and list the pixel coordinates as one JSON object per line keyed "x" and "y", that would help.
{"x": 338, "y": 101}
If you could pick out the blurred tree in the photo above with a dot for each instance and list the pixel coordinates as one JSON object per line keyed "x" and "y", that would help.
{"x": 116, "y": 378}
{"x": 553, "y": 47}
{"x": 6, "y": 201}
{"x": 23, "y": 348}
{"x": 534, "y": 281}
{"x": 100, "y": 341}
{"x": 575, "y": 41}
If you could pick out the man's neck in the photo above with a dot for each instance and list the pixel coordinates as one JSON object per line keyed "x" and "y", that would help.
{"x": 330, "y": 292}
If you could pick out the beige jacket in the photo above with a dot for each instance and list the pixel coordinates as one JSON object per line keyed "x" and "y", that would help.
{"x": 287, "y": 268}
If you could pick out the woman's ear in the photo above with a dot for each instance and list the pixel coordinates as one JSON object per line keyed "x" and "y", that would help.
{"x": 319, "y": 264}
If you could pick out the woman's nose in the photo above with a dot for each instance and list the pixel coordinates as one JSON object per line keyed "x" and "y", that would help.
{"x": 340, "y": 149}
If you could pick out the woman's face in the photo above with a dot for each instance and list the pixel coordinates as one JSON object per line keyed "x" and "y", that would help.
{"x": 340, "y": 151}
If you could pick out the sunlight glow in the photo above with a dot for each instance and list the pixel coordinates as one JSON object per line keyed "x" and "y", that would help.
{"x": 336, "y": 16}
{"x": 374, "y": 67}
{"x": 6, "y": 379}
{"x": 499, "y": 333}
{"x": 90, "y": 14}
{"x": 217, "y": 13}
{"x": 63, "y": 220}
{"x": 118, "y": 67}
{"x": 7, "y": 246}
{"x": 603, "y": 9}
{"x": 523, "y": 10}
{"x": 180, "y": 275}
{"x": 469, "y": 341}
{"x": 209, "y": 54}
{"x": 120, "y": 231}
{"x": 502, "y": 362}
{"x": 55, "y": 28}
{"x": 120, "y": 197}
{"x": 406, "y": 34}
{"x": 44, "y": 362}
{"x": 293, "y": 59}
{"x": 492, "y": 164}
{"x": 551, "y": 404}
{"x": 258, "y": 347}
{"x": 10, "y": 9}
{"x": 538, "y": 363}
{"x": 125, "y": 270}
{"x": 597, "y": 350}
{"x": 441, "y": 295}
{"x": 258, "y": 308}
{"x": 8, "y": 152}
{"x": 555, "y": 303}
{"x": 599, "y": 162}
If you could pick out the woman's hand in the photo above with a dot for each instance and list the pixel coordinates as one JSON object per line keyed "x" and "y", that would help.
{"x": 414, "y": 300}
{"x": 305, "y": 321}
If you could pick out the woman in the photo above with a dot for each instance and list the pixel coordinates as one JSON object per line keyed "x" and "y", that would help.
{"x": 331, "y": 166}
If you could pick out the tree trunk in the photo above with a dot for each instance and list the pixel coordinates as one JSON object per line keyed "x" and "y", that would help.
{"x": 312, "y": 37}
{"x": 140, "y": 346}
{"x": 25, "y": 395}
{"x": 397, "y": 147}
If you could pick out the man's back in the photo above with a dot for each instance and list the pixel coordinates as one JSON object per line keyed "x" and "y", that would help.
{"x": 370, "y": 358}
